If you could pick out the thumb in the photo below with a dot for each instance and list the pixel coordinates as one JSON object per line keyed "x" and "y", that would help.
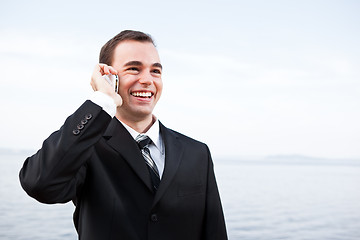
{"x": 118, "y": 100}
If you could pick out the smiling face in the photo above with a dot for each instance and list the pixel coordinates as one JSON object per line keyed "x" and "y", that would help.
{"x": 140, "y": 83}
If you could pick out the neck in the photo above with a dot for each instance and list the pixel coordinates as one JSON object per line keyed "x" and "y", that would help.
{"x": 139, "y": 125}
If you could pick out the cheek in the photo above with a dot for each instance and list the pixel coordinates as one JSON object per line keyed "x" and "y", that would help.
{"x": 159, "y": 86}
{"x": 125, "y": 82}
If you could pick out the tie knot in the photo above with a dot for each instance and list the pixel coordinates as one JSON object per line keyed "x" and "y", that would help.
{"x": 142, "y": 140}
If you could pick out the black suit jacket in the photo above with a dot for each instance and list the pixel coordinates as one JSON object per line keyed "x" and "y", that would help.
{"x": 93, "y": 161}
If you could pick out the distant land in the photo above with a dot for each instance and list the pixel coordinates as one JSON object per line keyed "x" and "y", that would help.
{"x": 301, "y": 159}
{"x": 295, "y": 159}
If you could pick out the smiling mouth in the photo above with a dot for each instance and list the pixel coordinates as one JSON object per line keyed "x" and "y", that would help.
{"x": 142, "y": 94}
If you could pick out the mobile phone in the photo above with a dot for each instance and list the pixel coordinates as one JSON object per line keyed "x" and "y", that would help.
{"x": 113, "y": 80}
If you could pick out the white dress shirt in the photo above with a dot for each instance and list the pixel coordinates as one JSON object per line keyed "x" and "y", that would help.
{"x": 156, "y": 147}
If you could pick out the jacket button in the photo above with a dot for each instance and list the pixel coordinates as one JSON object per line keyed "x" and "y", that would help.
{"x": 84, "y": 121}
{"x": 80, "y": 126}
{"x": 76, "y": 131}
{"x": 88, "y": 116}
{"x": 154, "y": 218}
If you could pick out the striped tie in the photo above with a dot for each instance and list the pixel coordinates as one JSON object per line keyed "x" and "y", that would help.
{"x": 143, "y": 142}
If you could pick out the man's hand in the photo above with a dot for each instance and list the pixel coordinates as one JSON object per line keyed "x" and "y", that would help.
{"x": 98, "y": 83}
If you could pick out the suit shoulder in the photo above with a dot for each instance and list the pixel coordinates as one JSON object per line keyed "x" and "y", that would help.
{"x": 187, "y": 139}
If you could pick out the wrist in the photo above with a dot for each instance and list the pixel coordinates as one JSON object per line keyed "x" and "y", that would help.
{"x": 107, "y": 102}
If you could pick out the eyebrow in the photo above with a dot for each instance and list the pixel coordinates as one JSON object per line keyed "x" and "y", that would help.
{"x": 157, "y": 65}
{"x": 138, "y": 63}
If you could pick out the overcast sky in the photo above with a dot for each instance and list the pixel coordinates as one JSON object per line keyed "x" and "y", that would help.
{"x": 249, "y": 78}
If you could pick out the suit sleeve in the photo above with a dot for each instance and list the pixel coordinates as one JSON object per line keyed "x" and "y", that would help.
{"x": 214, "y": 227}
{"x": 55, "y": 172}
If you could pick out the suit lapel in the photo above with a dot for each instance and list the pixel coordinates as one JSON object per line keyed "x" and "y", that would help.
{"x": 122, "y": 142}
{"x": 173, "y": 154}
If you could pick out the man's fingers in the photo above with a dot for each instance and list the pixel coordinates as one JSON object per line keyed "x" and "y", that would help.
{"x": 106, "y": 69}
{"x": 99, "y": 83}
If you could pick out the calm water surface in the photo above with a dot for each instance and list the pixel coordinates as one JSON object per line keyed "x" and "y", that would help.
{"x": 261, "y": 200}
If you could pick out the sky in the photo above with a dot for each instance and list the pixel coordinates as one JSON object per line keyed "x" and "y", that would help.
{"x": 248, "y": 78}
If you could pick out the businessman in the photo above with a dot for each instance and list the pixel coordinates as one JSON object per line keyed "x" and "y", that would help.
{"x": 128, "y": 175}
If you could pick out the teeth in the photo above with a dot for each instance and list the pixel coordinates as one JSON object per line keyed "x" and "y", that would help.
{"x": 141, "y": 94}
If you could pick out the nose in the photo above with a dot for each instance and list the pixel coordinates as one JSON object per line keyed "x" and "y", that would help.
{"x": 146, "y": 78}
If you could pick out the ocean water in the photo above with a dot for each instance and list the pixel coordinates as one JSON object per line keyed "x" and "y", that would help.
{"x": 262, "y": 200}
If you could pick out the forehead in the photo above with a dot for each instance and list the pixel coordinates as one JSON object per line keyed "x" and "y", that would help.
{"x": 127, "y": 51}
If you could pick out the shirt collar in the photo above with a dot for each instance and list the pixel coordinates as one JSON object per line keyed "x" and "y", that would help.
{"x": 153, "y": 133}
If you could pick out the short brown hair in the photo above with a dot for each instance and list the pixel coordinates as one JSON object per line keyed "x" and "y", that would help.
{"x": 106, "y": 52}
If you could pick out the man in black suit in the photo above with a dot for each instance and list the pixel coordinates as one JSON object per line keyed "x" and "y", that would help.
{"x": 128, "y": 175}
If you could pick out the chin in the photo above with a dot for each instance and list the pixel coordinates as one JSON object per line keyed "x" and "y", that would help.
{"x": 142, "y": 113}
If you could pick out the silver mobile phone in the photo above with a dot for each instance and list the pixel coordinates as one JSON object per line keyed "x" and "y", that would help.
{"x": 113, "y": 80}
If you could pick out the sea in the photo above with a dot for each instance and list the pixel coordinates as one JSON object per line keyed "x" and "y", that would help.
{"x": 270, "y": 198}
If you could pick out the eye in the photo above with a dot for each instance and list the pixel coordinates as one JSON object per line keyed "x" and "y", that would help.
{"x": 132, "y": 69}
{"x": 156, "y": 71}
